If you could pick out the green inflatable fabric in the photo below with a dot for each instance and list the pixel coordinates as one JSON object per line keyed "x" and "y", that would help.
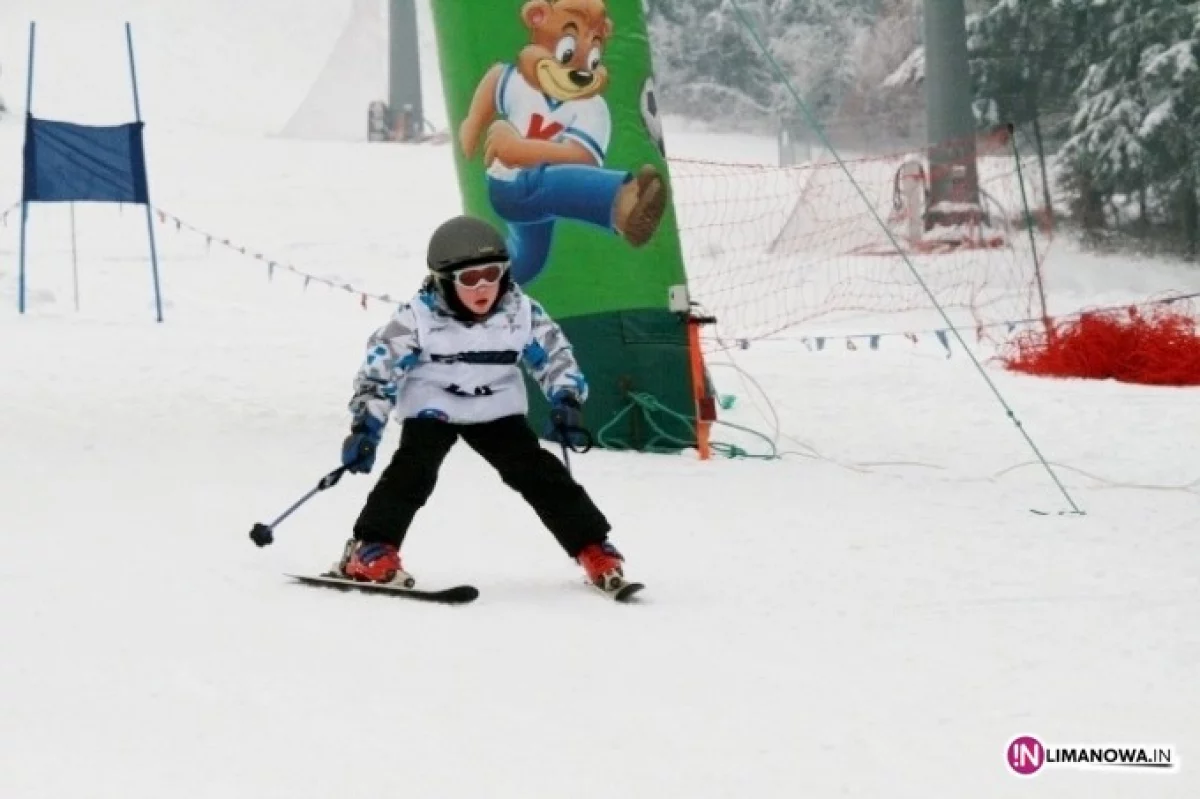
{"x": 557, "y": 140}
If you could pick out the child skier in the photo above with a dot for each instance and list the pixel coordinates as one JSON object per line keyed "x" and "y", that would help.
{"x": 447, "y": 363}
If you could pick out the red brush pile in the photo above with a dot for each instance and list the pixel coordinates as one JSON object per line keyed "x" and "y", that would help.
{"x": 1159, "y": 349}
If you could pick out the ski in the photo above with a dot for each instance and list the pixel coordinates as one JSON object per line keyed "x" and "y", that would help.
{"x": 454, "y": 595}
{"x": 619, "y": 591}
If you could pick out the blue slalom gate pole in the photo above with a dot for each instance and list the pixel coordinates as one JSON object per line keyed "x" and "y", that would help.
{"x": 137, "y": 110}
{"x": 26, "y": 175}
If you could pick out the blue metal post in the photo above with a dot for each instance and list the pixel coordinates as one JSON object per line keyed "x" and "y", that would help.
{"x": 25, "y": 189}
{"x": 137, "y": 110}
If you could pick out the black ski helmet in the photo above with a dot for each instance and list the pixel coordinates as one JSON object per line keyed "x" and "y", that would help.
{"x": 460, "y": 242}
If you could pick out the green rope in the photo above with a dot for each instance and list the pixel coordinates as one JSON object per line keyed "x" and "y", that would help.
{"x": 663, "y": 441}
{"x": 781, "y": 76}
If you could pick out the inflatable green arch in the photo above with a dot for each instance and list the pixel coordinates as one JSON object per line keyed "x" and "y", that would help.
{"x": 557, "y": 140}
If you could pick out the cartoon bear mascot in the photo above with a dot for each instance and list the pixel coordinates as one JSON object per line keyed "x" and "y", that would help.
{"x": 545, "y": 130}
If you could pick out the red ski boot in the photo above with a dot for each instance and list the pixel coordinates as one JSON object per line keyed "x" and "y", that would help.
{"x": 374, "y": 563}
{"x": 602, "y": 562}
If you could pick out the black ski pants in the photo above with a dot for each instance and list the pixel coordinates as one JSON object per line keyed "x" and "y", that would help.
{"x": 512, "y": 449}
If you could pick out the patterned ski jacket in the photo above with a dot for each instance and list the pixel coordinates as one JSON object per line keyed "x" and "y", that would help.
{"x": 426, "y": 363}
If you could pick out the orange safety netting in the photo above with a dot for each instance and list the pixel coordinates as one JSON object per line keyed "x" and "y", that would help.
{"x": 1161, "y": 348}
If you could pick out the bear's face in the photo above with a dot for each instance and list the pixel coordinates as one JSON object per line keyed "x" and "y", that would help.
{"x": 564, "y": 57}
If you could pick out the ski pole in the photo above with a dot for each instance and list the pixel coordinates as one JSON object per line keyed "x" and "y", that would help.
{"x": 263, "y": 534}
{"x": 566, "y": 454}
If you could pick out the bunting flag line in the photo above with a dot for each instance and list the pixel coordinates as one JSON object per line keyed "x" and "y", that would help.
{"x": 167, "y": 218}
{"x": 811, "y": 342}
{"x": 815, "y": 343}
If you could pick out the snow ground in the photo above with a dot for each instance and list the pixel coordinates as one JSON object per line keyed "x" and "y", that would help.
{"x": 876, "y": 614}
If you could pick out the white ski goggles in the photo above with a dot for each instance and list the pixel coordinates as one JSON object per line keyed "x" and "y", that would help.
{"x": 483, "y": 275}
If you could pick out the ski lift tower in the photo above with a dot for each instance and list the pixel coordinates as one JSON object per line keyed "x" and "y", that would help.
{"x": 953, "y": 171}
{"x": 402, "y": 119}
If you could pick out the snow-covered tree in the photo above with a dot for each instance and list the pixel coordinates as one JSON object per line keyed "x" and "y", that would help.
{"x": 889, "y": 70}
{"x": 1134, "y": 131}
{"x": 709, "y": 65}
{"x": 1170, "y": 129}
{"x": 1117, "y": 83}
{"x": 1026, "y": 57}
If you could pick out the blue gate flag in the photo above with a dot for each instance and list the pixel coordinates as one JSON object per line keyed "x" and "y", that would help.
{"x": 68, "y": 162}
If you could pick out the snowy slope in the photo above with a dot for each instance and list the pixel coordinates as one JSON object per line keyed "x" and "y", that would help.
{"x": 876, "y": 614}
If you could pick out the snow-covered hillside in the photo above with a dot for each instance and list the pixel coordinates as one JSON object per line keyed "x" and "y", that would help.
{"x": 876, "y": 613}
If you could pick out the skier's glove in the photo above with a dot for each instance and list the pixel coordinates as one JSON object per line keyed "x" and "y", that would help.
{"x": 358, "y": 450}
{"x": 566, "y": 422}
